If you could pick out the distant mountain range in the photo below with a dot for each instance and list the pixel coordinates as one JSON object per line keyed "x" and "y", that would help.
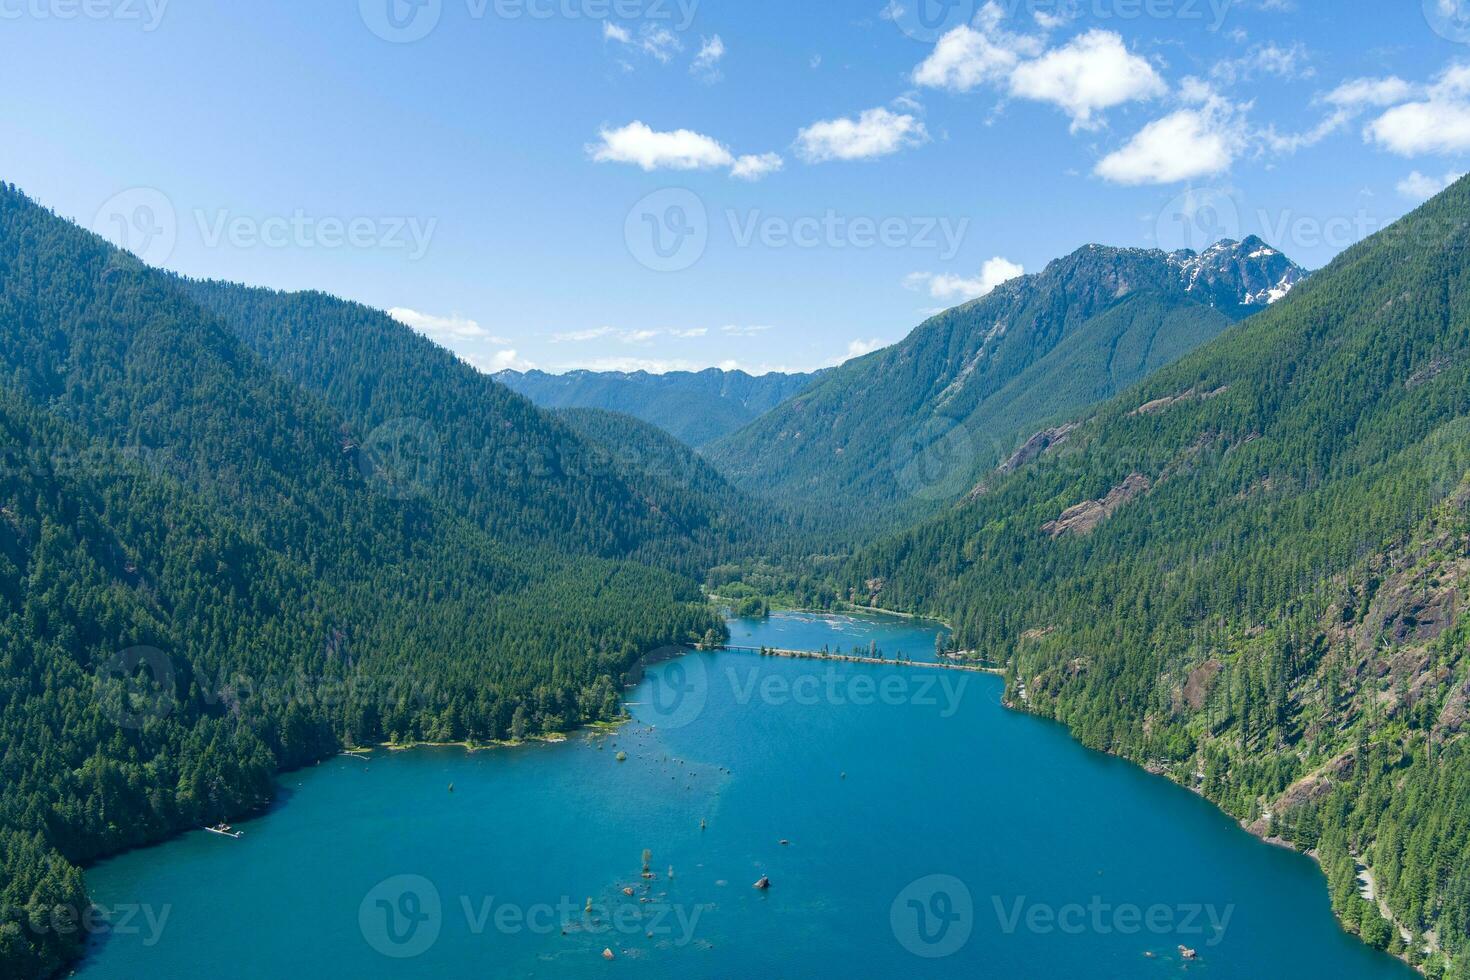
{"x": 1210, "y": 513}
{"x": 696, "y": 407}
{"x": 911, "y": 427}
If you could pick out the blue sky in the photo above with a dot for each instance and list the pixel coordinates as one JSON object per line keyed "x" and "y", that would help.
{"x": 684, "y": 183}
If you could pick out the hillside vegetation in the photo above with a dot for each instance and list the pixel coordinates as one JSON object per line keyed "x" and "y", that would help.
{"x": 1249, "y": 573}
{"x": 897, "y": 434}
{"x": 209, "y": 573}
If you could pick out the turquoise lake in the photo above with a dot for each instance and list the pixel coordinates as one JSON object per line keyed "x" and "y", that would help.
{"x": 928, "y": 832}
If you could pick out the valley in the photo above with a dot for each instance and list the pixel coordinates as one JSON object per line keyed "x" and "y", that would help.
{"x": 320, "y": 533}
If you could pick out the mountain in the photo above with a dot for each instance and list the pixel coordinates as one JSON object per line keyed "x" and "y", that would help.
{"x": 1250, "y": 573}
{"x": 697, "y": 408}
{"x": 678, "y": 482}
{"x": 471, "y": 444}
{"x": 210, "y": 572}
{"x": 907, "y": 428}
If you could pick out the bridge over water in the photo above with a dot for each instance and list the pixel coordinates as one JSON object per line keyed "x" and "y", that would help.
{"x": 855, "y": 659}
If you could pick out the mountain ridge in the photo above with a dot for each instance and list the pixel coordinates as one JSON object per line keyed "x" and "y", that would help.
{"x": 697, "y": 407}
{"x": 908, "y": 429}
{"x": 209, "y": 573}
{"x": 1247, "y": 572}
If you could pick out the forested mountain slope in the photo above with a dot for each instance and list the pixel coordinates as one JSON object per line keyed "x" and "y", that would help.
{"x": 464, "y": 440}
{"x": 905, "y": 429}
{"x": 1250, "y": 571}
{"x": 696, "y": 407}
{"x": 682, "y": 485}
{"x": 208, "y": 573}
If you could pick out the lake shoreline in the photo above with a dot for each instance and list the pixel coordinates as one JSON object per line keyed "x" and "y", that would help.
{"x": 1265, "y": 838}
{"x": 747, "y": 828}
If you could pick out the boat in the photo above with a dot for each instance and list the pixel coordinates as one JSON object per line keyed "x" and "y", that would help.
{"x": 763, "y": 884}
{"x": 225, "y": 830}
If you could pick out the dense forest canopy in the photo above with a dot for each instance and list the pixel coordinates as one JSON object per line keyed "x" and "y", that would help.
{"x": 1248, "y": 572}
{"x": 209, "y": 573}
{"x": 242, "y": 529}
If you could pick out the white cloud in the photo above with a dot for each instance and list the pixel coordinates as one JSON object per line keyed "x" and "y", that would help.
{"x": 893, "y": 10}
{"x": 443, "y": 327}
{"x": 581, "y": 336}
{"x": 635, "y": 337}
{"x": 1091, "y": 72}
{"x": 706, "y": 66}
{"x": 1292, "y": 142}
{"x": 1437, "y": 121}
{"x": 501, "y": 360}
{"x": 1416, "y": 128}
{"x": 735, "y": 330}
{"x": 1051, "y": 21}
{"x": 1199, "y": 141}
{"x": 944, "y": 286}
{"x": 970, "y": 56}
{"x": 1265, "y": 59}
{"x": 682, "y": 149}
{"x": 756, "y": 166}
{"x": 1348, "y": 101}
{"x": 1419, "y": 187}
{"x": 875, "y": 133}
{"x": 659, "y": 43}
{"x": 654, "y": 40}
{"x": 859, "y": 348}
{"x": 1370, "y": 92}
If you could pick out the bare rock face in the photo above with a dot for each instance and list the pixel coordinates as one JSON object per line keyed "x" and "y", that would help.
{"x": 1083, "y": 518}
{"x": 1406, "y": 612}
{"x": 1428, "y": 372}
{"x": 1456, "y": 711}
{"x": 1315, "y": 785}
{"x": 1194, "y": 394}
{"x": 1036, "y": 445}
{"x": 1229, "y": 274}
{"x": 1034, "y": 448}
{"x": 1200, "y": 682}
